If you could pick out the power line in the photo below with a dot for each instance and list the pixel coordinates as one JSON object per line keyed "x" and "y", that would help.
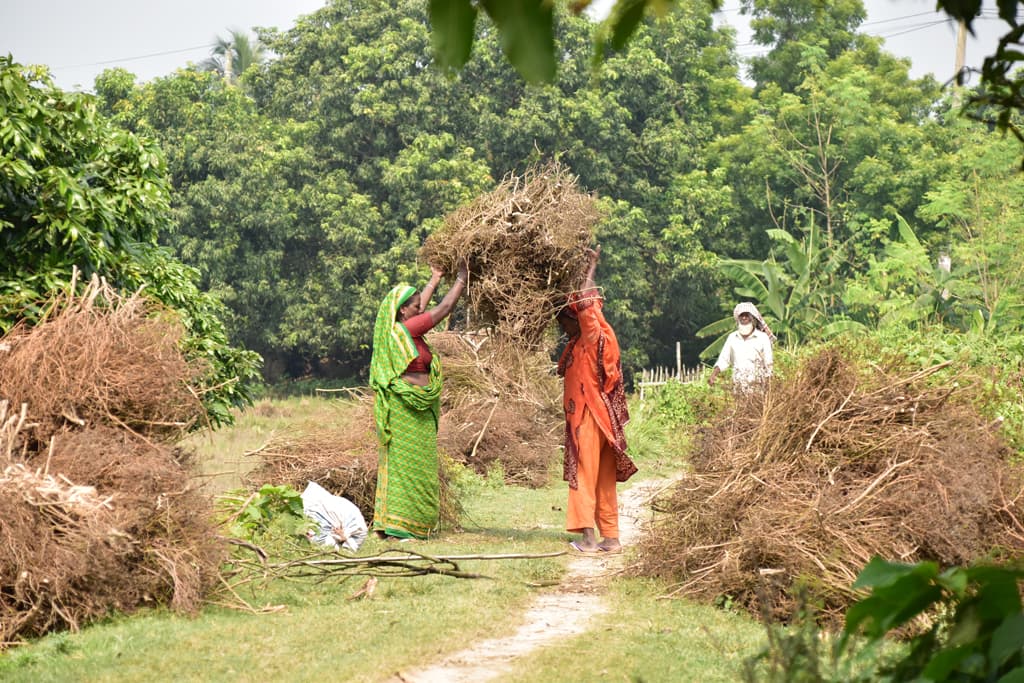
{"x": 914, "y": 29}
{"x": 891, "y": 19}
{"x": 133, "y": 59}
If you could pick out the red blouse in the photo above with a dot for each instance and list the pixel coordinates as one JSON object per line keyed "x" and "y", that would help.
{"x": 419, "y": 325}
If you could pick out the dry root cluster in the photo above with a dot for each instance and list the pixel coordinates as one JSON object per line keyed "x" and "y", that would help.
{"x": 802, "y": 485}
{"x": 525, "y": 243}
{"x": 96, "y": 508}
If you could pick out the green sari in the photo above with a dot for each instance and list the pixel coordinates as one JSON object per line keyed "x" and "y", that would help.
{"x": 407, "y": 501}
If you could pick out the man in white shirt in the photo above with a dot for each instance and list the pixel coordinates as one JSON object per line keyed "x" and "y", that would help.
{"x": 748, "y": 350}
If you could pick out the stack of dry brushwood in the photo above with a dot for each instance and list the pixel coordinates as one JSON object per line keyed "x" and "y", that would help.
{"x": 526, "y": 246}
{"x": 97, "y": 509}
{"x": 842, "y": 461}
{"x": 340, "y": 456}
{"x": 525, "y": 243}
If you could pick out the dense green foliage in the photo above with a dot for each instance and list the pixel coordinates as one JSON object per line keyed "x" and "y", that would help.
{"x": 361, "y": 148}
{"x": 825, "y": 192}
{"x": 964, "y": 624}
{"x": 793, "y": 28}
{"x": 78, "y": 192}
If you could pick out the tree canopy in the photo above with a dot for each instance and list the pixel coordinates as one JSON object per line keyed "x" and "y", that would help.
{"x": 526, "y": 27}
{"x": 304, "y": 193}
{"x": 78, "y": 192}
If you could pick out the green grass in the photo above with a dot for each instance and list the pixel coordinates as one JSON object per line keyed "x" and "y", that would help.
{"x": 222, "y": 454}
{"x": 646, "y": 638}
{"x": 409, "y": 622}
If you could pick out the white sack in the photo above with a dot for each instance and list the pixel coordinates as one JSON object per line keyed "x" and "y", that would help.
{"x": 338, "y": 520}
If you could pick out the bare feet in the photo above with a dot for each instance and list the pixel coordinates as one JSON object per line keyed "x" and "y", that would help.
{"x": 610, "y": 545}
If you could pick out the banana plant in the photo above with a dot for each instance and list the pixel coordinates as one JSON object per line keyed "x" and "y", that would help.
{"x": 794, "y": 289}
{"x": 904, "y": 286}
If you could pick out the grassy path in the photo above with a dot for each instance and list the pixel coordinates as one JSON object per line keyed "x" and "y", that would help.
{"x": 566, "y": 611}
{"x": 567, "y": 618}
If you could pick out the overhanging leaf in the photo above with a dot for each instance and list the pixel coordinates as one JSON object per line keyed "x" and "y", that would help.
{"x": 527, "y": 36}
{"x": 452, "y": 23}
{"x": 626, "y": 16}
{"x": 1007, "y": 640}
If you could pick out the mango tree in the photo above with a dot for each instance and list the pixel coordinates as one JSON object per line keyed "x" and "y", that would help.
{"x": 77, "y": 191}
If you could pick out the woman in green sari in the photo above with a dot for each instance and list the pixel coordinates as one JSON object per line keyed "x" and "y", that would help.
{"x": 406, "y": 381}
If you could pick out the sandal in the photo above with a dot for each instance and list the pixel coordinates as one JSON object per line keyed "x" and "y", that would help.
{"x": 575, "y": 545}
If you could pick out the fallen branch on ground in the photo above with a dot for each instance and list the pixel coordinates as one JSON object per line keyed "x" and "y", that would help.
{"x": 326, "y": 565}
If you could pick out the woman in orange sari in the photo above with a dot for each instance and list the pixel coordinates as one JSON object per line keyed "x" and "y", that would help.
{"x": 595, "y": 414}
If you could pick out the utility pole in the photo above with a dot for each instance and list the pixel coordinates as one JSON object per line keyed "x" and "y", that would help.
{"x": 961, "y": 48}
{"x": 961, "y": 52}
{"x": 228, "y": 75}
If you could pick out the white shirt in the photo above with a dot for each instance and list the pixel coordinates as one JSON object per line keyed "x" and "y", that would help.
{"x": 750, "y": 359}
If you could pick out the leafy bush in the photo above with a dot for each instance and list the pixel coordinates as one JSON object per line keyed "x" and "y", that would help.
{"x": 249, "y": 516}
{"x": 967, "y": 625}
{"x": 680, "y": 405}
{"x": 994, "y": 362}
{"x": 81, "y": 194}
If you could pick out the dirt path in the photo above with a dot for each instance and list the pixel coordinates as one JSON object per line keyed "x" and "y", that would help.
{"x": 566, "y": 611}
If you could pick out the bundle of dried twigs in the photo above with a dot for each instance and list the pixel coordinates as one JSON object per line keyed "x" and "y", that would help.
{"x": 525, "y": 243}
{"x": 102, "y": 358}
{"x": 98, "y": 511}
{"x": 341, "y": 457}
{"x": 502, "y": 404}
{"x": 804, "y": 484}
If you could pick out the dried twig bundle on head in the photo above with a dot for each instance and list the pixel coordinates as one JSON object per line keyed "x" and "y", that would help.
{"x": 525, "y": 243}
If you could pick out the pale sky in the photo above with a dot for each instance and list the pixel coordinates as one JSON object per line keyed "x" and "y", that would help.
{"x": 78, "y": 39}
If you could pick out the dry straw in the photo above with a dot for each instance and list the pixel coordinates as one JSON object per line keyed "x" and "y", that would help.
{"x": 525, "y": 243}
{"x": 802, "y": 485}
{"x": 97, "y": 510}
{"x": 501, "y": 406}
{"x": 341, "y": 457}
{"x": 100, "y": 357}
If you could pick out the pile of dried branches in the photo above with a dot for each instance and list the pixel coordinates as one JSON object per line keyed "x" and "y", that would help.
{"x": 341, "y": 457}
{"x": 525, "y": 243}
{"x": 803, "y": 485}
{"x": 501, "y": 405}
{"x": 97, "y": 509}
{"x": 84, "y": 363}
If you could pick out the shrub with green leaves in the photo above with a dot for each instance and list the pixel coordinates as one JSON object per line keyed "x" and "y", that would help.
{"x": 77, "y": 192}
{"x": 993, "y": 362}
{"x": 689, "y": 404}
{"x": 252, "y": 515}
{"x": 966, "y": 624}
{"x": 981, "y": 638}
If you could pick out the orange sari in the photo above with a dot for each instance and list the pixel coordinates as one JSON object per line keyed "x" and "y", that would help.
{"x": 594, "y": 400}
